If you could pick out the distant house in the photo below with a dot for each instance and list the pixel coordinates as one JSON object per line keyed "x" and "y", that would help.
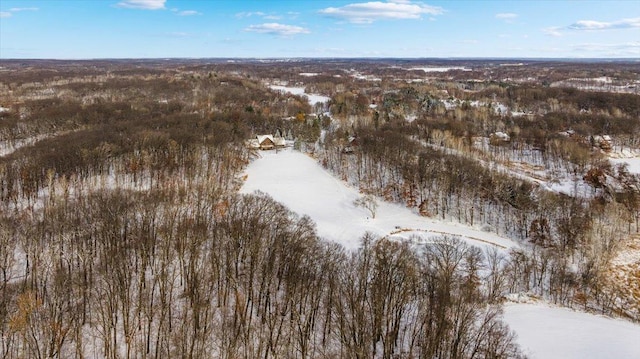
{"x": 567, "y": 133}
{"x": 498, "y": 138}
{"x": 266, "y": 142}
{"x": 352, "y": 143}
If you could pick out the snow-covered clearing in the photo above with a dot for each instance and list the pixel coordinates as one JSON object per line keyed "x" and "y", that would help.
{"x": 497, "y": 107}
{"x": 603, "y": 83}
{"x": 547, "y": 332}
{"x": 313, "y": 98}
{"x": 300, "y": 183}
{"x": 440, "y": 69}
{"x": 633, "y": 164}
{"x": 626, "y": 156}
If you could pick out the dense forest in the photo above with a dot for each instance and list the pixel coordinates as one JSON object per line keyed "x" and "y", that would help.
{"x": 123, "y": 234}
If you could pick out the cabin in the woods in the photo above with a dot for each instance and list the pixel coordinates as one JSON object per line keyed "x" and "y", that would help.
{"x": 498, "y": 138}
{"x": 352, "y": 143}
{"x": 266, "y": 142}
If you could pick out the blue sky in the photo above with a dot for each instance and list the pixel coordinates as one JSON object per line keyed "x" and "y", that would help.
{"x": 82, "y": 29}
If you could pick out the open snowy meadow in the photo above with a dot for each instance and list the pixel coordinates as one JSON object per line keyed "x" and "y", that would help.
{"x": 547, "y": 332}
{"x": 300, "y": 183}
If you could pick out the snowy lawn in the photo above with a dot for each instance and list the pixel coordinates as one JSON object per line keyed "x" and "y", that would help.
{"x": 313, "y": 98}
{"x": 547, "y": 332}
{"x": 301, "y": 184}
{"x": 633, "y": 163}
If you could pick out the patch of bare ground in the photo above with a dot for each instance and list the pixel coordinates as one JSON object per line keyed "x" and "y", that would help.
{"x": 622, "y": 279}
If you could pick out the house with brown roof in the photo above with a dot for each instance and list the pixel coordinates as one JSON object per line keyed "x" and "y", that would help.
{"x": 266, "y": 142}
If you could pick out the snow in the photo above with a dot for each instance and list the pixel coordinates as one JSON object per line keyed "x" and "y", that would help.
{"x": 502, "y": 136}
{"x": 552, "y": 332}
{"x": 521, "y": 113}
{"x": 603, "y": 83}
{"x": 313, "y": 98}
{"x": 4, "y": 109}
{"x": 19, "y": 268}
{"x": 632, "y": 163}
{"x": 450, "y": 104}
{"x": 500, "y": 108}
{"x": 301, "y": 184}
{"x": 411, "y": 117}
{"x": 604, "y": 79}
{"x": 628, "y": 156}
{"x": 9, "y": 147}
{"x": 440, "y": 69}
{"x": 359, "y": 76}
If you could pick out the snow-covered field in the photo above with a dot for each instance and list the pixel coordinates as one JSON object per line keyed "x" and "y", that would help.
{"x": 633, "y": 164}
{"x": 313, "y": 98}
{"x": 546, "y": 332}
{"x": 440, "y": 69}
{"x": 300, "y": 183}
{"x": 603, "y": 83}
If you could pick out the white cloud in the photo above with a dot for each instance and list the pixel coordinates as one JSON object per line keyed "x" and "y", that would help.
{"x": 592, "y": 25}
{"x": 629, "y": 48}
{"x": 249, "y": 14}
{"x": 17, "y": 9}
{"x": 275, "y": 28}
{"x": 177, "y": 34}
{"x": 506, "y": 16}
{"x": 272, "y": 16}
{"x": 553, "y": 31}
{"x": 143, "y": 4}
{"x": 368, "y": 12}
{"x": 10, "y": 12}
{"x": 601, "y": 25}
{"x": 188, "y": 13}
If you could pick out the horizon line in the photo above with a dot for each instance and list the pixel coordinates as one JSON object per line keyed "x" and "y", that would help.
{"x": 328, "y": 58}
